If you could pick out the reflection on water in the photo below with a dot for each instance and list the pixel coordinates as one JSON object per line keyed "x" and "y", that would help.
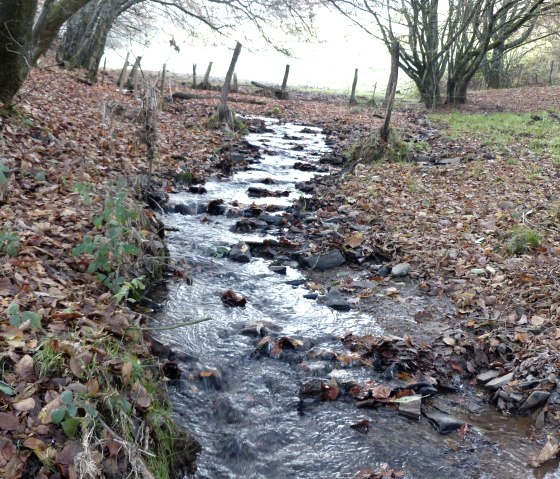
{"x": 249, "y": 418}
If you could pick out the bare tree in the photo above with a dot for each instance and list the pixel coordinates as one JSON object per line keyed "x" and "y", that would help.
{"x": 22, "y": 43}
{"x": 87, "y": 31}
{"x": 452, "y": 36}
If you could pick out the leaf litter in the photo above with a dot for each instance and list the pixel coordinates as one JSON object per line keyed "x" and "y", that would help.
{"x": 449, "y": 217}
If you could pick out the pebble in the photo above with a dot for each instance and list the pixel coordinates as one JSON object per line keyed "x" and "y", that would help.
{"x": 535, "y": 399}
{"x": 401, "y": 269}
{"x": 443, "y": 422}
{"x": 332, "y": 259}
{"x": 488, "y": 375}
{"x": 334, "y": 299}
{"x": 240, "y": 253}
{"x": 411, "y": 409}
{"x": 498, "y": 382}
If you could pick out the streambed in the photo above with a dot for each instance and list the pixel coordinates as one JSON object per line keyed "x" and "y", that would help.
{"x": 245, "y": 408}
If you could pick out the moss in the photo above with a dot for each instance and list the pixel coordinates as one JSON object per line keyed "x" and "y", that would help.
{"x": 275, "y": 112}
{"x": 234, "y": 122}
{"x": 373, "y": 149}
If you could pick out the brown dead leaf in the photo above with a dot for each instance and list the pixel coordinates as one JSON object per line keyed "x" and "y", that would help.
{"x": 381, "y": 392}
{"x": 537, "y": 320}
{"x": 549, "y": 451}
{"x": 354, "y": 240}
{"x": 24, "y": 367}
{"x": 35, "y": 443}
{"x": 8, "y": 422}
{"x": 76, "y": 366}
{"x": 7, "y": 451}
{"x": 232, "y": 298}
{"x": 126, "y": 372}
{"x": 7, "y": 288}
{"x": 140, "y": 396}
{"x": 92, "y": 386}
{"x": 24, "y": 405}
{"x": 45, "y": 414}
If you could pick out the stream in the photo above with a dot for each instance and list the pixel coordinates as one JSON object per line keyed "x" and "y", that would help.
{"x": 244, "y": 408}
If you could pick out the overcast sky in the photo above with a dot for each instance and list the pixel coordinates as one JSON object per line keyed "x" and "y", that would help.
{"x": 330, "y": 62}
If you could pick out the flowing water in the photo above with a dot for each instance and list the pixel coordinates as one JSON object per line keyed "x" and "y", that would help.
{"x": 244, "y": 408}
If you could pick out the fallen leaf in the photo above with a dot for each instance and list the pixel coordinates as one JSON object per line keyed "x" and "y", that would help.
{"x": 126, "y": 372}
{"x": 24, "y": 405}
{"x": 549, "y": 451}
{"x": 381, "y": 392}
{"x": 34, "y": 443}
{"x": 24, "y": 367}
{"x": 537, "y": 320}
{"x": 140, "y": 397}
{"x": 8, "y": 422}
{"x": 354, "y": 240}
{"x": 7, "y": 288}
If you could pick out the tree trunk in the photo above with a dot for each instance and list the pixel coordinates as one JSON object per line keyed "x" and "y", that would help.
{"x": 131, "y": 82}
{"x": 104, "y": 72}
{"x": 235, "y": 85}
{"x": 430, "y": 94}
{"x": 457, "y": 90}
{"x": 162, "y": 86}
{"x": 493, "y": 68}
{"x": 283, "y": 88}
{"x": 206, "y": 82}
{"x": 354, "y": 83}
{"x": 16, "y": 22}
{"x": 194, "y": 75}
{"x": 391, "y": 89}
{"x": 122, "y": 77}
{"x": 53, "y": 15}
{"x": 224, "y": 113}
{"x": 86, "y": 35}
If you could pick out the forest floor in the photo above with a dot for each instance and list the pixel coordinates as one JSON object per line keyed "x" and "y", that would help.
{"x": 468, "y": 206}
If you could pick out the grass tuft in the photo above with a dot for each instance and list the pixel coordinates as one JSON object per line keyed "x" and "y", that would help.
{"x": 522, "y": 239}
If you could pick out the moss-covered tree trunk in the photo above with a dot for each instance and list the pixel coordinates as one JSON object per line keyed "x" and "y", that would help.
{"x": 16, "y": 23}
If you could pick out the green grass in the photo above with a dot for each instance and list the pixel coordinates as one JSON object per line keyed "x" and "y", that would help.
{"x": 511, "y": 132}
{"x": 522, "y": 239}
{"x": 48, "y": 361}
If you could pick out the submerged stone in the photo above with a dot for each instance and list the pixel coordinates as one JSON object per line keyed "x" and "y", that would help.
{"x": 411, "y": 408}
{"x": 443, "y": 422}
{"x": 240, "y": 253}
{"x": 335, "y": 300}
